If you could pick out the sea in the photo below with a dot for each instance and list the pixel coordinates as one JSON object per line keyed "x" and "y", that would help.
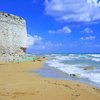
{"x": 77, "y": 67}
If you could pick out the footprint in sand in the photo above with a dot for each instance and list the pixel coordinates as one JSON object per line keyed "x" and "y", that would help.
{"x": 25, "y": 93}
{"x": 4, "y": 94}
{"x": 97, "y": 90}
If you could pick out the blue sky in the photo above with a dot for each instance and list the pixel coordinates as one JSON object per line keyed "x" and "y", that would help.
{"x": 59, "y": 26}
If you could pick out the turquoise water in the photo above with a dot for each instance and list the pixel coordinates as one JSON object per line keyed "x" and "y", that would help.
{"x": 79, "y": 67}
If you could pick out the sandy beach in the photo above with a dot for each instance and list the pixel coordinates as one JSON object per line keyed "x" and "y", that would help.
{"x": 18, "y": 82}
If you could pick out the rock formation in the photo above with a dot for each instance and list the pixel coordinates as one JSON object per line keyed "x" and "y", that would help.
{"x": 13, "y": 37}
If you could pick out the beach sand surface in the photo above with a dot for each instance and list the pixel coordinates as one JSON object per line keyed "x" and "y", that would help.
{"x": 18, "y": 82}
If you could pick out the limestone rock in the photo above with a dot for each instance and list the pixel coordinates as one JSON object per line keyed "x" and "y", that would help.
{"x": 13, "y": 37}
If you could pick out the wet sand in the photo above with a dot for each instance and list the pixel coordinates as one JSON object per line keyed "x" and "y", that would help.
{"x": 18, "y": 82}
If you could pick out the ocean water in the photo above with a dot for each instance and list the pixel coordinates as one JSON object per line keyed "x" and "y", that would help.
{"x": 79, "y": 67}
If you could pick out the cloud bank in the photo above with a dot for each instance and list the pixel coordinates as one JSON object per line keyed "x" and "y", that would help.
{"x": 36, "y": 42}
{"x": 73, "y": 10}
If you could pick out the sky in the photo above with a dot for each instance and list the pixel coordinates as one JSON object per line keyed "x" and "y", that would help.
{"x": 59, "y": 26}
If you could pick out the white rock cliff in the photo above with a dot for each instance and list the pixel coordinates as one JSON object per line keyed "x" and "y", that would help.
{"x": 13, "y": 37}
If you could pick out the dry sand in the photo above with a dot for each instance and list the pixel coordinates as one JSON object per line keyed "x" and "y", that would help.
{"x": 17, "y": 82}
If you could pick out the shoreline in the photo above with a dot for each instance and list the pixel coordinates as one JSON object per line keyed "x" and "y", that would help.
{"x": 45, "y": 72}
{"x": 19, "y": 83}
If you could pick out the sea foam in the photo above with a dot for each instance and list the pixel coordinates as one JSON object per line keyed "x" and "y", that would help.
{"x": 76, "y": 64}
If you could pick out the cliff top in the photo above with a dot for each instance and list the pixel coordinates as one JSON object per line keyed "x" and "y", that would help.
{"x": 11, "y": 18}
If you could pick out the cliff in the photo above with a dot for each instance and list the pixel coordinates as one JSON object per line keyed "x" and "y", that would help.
{"x": 13, "y": 37}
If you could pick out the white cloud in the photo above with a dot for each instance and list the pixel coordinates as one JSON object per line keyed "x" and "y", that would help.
{"x": 88, "y": 38}
{"x": 59, "y": 44}
{"x": 73, "y": 10}
{"x": 87, "y": 30}
{"x": 36, "y": 42}
{"x": 32, "y": 40}
{"x": 50, "y": 44}
{"x": 64, "y": 30}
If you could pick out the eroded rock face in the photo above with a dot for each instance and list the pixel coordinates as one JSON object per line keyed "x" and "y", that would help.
{"x": 13, "y": 37}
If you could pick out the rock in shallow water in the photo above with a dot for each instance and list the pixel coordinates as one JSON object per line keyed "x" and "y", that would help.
{"x": 89, "y": 68}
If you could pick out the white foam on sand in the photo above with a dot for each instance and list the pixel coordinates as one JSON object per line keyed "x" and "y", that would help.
{"x": 95, "y": 77}
{"x": 67, "y": 68}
